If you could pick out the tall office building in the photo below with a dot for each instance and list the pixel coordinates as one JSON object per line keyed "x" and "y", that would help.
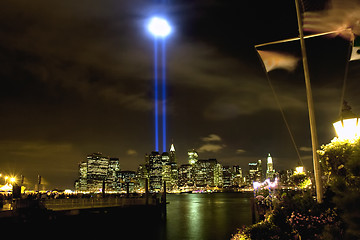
{"x": 96, "y": 170}
{"x": 192, "y": 156}
{"x": 155, "y": 171}
{"x": 81, "y": 184}
{"x": 173, "y": 168}
{"x": 112, "y": 179}
{"x": 185, "y": 176}
{"x": 172, "y": 154}
{"x": 166, "y": 167}
{"x": 259, "y": 174}
{"x": 227, "y": 176}
{"x": 238, "y": 179}
{"x": 127, "y": 180}
{"x": 205, "y": 173}
{"x": 270, "y": 171}
{"x": 255, "y": 172}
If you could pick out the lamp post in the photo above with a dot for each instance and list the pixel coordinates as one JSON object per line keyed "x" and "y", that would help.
{"x": 159, "y": 28}
{"x": 313, "y": 133}
{"x": 347, "y": 127}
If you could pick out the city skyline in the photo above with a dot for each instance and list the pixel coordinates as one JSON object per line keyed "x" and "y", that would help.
{"x": 100, "y": 173}
{"x": 78, "y": 78}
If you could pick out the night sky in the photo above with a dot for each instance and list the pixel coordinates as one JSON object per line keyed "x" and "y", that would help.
{"x": 77, "y": 78}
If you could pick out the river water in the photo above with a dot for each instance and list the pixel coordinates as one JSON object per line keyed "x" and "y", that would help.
{"x": 213, "y": 216}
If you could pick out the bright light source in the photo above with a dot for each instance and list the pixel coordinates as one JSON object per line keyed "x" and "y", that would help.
{"x": 159, "y": 27}
{"x": 347, "y": 129}
{"x": 256, "y": 185}
{"x": 12, "y": 179}
{"x": 299, "y": 170}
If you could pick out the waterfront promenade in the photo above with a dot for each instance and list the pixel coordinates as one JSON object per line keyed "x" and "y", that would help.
{"x": 51, "y": 210}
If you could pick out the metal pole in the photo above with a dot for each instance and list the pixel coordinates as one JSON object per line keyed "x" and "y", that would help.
{"x": 314, "y": 140}
{"x": 147, "y": 191}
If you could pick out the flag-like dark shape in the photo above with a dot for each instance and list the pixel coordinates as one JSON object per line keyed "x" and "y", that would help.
{"x": 275, "y": 60}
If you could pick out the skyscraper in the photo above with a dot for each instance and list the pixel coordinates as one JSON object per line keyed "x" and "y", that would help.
{"x": 155, "y": 171}
{"x": 255, "y": 172}
{"x": 192, "y": 156}
{"x": 112, "y": 180}
{"x": 259, "y": 173}
{"x": 96, "y": 170}
{"x": 270, "y": 171}
{"x": 173, "y": 167}
{"x": 185, "y": 176}
{"x": 166, "y": 167}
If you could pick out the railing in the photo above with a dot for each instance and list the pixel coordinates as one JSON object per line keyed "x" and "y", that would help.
{"x": 82, "y": 203}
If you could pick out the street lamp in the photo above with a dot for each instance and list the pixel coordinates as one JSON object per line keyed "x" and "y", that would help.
{"x": 347, "y": 127}
{"x": 299, "y": 170}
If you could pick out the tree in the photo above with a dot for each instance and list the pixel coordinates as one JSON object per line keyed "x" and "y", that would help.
{"x": 340, "y": 161}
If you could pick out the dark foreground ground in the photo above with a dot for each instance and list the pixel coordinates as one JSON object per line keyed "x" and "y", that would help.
{"x": 134, "y": 222}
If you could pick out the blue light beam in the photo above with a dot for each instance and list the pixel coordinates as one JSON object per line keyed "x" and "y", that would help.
{"x": 164, "y": 93}
{"x": 159, "y": 28}
{"x": 156, "y": 114}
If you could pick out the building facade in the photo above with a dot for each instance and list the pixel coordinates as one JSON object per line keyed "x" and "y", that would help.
{"x": 98, "y": 171}
{"x": 270, "y": 171}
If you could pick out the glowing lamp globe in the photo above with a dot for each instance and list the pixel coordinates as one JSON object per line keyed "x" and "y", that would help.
{"x": 347, "y": 127}
{"x": 159, "y": 27}
{"x": 299, "y": 170}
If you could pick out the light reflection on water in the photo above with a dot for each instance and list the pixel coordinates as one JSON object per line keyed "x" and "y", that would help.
{"x": 206, "y": 216}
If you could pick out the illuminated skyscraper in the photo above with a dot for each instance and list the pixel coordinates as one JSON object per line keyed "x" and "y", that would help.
{"x": 155, "y": 171}
{"x": 192, "y": 157}
{"x": 127, "y": 181}
{"x": 166, "y": 167}
{"x": 172, "y": 154}
{"x": 270, "y": 171}
{"x": 96, "y": 170}
{"x": 81, "y": 184}
{"x": 186, "y": 178}
{"x": 208, "y": 173}
{"x": 255, "y": 172}
{"x": 173, "y": 167}
{"x": 112, "y": 179}
{"x": 259, "y": 173}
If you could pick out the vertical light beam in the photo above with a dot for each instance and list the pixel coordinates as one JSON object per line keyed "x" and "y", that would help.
{"x": 159, "y": 27}
{"x": 156, "y": 115}
{"x": 164, "y": 94}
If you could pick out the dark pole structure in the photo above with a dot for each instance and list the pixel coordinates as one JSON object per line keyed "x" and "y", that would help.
{"x": 103, "y": 188}
{"x": 147, "y": 191}
{"x": 314, "y": 140}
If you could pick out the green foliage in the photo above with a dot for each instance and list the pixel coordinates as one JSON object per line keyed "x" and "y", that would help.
{"x": 260, "y": 230}
{"x": 341, "y": 163}
{"x": 297, "y": 214}
{"x": 336, "y": 156}
{"x": 301, "y": 180}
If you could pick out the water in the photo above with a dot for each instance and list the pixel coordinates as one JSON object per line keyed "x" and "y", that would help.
{"x": 189, "y": 217}
{"x": 206, "y": 216}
